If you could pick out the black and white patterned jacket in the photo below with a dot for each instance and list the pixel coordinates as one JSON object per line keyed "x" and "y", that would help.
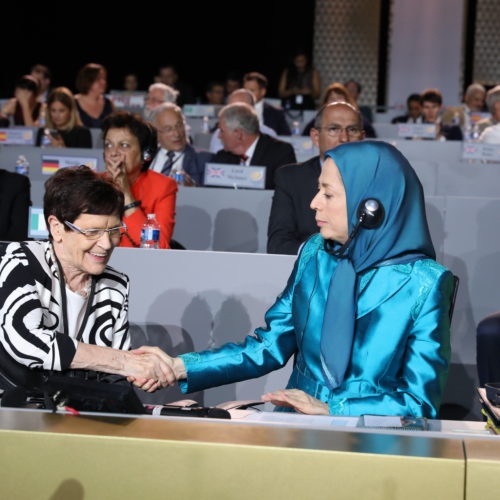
{"x": 31, "y": 310}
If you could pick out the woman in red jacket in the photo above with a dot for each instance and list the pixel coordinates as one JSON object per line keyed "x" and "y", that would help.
{"x": 129, "y": 146}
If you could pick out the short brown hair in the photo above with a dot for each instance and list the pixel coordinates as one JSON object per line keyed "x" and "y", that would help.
{"x": 257, "y": 77}
{"x": 338, "y": 88}
{"x": 87, "y": 76}
{"x": 73, "y": 191}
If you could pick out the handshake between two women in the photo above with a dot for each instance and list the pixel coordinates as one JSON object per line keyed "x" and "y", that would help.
{"x": 154, "y": 369}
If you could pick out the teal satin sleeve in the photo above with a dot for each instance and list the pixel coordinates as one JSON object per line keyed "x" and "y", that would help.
{"x": 267, "y": 350}
{"x": 423, "y": 374}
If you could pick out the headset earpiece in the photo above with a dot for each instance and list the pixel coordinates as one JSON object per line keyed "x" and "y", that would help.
{"x": 371, "y": 213}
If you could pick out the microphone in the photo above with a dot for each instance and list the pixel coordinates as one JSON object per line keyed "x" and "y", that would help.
{"x": 371, "y": 213}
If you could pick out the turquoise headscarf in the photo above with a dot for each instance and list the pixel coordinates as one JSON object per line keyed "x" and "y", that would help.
{"x": 378, "y": 170}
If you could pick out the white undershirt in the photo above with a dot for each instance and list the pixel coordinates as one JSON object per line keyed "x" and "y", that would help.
{"x": 250, "y": 151}
{"x": 161, "y": 158}
{"x": 259, "y": 109}
{"x": 76, "y": 306}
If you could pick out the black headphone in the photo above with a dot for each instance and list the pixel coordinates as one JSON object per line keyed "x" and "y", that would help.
{"x": 149, "y": 145}
{"x": 371, "y": 214}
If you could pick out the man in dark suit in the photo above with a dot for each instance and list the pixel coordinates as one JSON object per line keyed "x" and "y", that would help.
{"x": 175, "y": 154}
{"x": 245, "y": 145}
{"x": 14, "y": 206}
{"x": 269, "y": 115}
{"x": 292, "y": 220}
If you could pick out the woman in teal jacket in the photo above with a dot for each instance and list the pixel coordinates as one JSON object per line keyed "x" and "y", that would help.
{"x": 366, "y": 309}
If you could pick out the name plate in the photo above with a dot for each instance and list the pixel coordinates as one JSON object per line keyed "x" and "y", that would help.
{"x": 300, "y": 143}
{"x": 52, "y": 163}
{"x": 128, "y": 99}
{"x": 417, "y": 130}
{"x": 235, "y": 176}
{"x": 477, "y": 116}
{"x": 481, "y": 151}
{"x": 194, "y": 110}
{"x": 19, "y": 136}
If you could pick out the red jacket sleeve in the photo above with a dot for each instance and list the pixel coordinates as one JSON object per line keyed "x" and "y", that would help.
{"x": 157, "y": 194}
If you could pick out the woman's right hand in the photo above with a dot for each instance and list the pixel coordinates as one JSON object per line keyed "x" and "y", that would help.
{"x": 148, "y": 370}
{"x": 115, "y": 165}
{"x": 116, "y": 168}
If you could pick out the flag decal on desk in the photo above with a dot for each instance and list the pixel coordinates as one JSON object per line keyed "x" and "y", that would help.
{"x": 50, "y": 165}
{"x": 215, "y": 172}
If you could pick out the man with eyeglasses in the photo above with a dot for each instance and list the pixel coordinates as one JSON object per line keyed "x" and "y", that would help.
{"x": 175, "y": 154}
{"x": 292, "y": 220}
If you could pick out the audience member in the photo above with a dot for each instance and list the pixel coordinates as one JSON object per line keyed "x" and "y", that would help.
{"x": 63, "y": 127}
{"x": 414, "y": 110}
{"x": 245, "y": 145}
{"x": 175, "y": 155}
{"x": 14, "y": 206}
{"x": 432, "y": 103}
{"x": 131, "y": 82}
{"x": 491, "y": 135}
{"x": 239, "y": 95}
{"x": 493, "y": 104}
{"x": 232, "y": 83}
{"x": 159, "y": 93}
{"x": 130, "y": 143}
{"x": 299, "y": 84}
{"x": 473, "y": 103}
{"x": 292, "y": 220}
{"x": 488, "y": 349}
{"x": 354, "y": 88}
{"x": 267, "y": 114}
{"x": 93, "y": 106}
{"x": 61, "y": 307}
{"x": 169, "y": 76}
{"x": 44, "y": 76}
{"x": 336, "y": 92}
{"x": 24, "y": 107}
{"x": 215, "y": 93}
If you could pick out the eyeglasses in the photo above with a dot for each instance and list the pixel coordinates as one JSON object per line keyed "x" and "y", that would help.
{"x": 334, "y": 131}
{"x": 115, "y": 233}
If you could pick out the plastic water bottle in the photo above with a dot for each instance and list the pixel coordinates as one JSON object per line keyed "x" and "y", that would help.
{"x": 150, "y": 233}
{"x": 178, "y": 175}
{"x": 296, "y": 128}
{"x": 205, "y": 126}
{"x": 46, "y": 142}
{"x": 22, "y": 165}
{"x": 474, "y": 132}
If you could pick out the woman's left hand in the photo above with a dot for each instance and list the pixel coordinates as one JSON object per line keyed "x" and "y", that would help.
{"x": 298, "y": 400}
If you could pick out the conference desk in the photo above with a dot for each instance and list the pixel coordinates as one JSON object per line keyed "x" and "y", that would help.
{"x": 47, "y": 455}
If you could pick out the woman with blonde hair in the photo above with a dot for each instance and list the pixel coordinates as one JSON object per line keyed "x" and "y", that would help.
{"x": 63, "y": 127}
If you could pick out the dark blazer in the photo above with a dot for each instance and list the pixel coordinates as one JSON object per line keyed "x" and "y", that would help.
{"x": 14, "y": 206}
{"x": 402, "y": 119}
{"x": 292, "y": 220}
{"x": 269, "y": 152}
{"x": 194, "y": 163}
{"x": 275, "y": 118}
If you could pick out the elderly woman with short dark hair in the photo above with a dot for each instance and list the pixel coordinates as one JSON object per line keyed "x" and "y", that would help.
{"x": 61, "y": 307}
